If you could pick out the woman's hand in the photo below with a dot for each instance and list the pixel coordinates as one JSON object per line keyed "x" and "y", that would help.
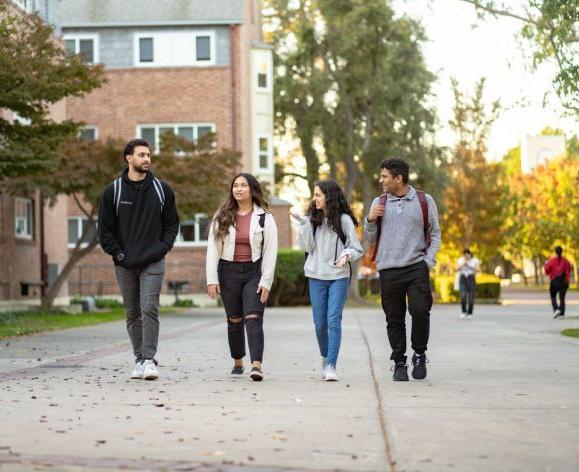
{"x": 296, "y": 216}
{"x": 341, "y": 262}
{"x": 264, "y": 293}
{"x": 213, "y": 290}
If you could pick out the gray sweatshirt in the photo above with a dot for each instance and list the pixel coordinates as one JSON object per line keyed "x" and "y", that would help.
{"x": 321, "y": 249}
{"x": 402, "y": 239}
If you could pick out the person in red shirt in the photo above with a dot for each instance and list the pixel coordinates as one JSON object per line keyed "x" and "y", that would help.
{"x": 559, "y": 271}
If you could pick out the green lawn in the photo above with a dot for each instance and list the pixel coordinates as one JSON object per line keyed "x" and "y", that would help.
{"x": 572, "y": 332}
{"x": 36, "y": 321}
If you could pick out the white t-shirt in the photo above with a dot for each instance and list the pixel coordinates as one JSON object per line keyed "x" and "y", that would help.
{"x": 470, "y": 267}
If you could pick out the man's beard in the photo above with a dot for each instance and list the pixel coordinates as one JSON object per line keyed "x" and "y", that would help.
{"x": 140, "y": 169}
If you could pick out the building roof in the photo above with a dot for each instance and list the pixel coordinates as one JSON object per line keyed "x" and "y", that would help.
{"x": 102, "y": 13}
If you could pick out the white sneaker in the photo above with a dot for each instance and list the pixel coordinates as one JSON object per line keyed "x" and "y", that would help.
{"x": 469, "y": 317}
{"x": 556, "y": 313}
{"x": 138, "y": 371}
{"x": 150, "y": 371}
{"x": 331, "y": 375}
{"x": 462, "y": 316}
{"x": 324, "y": 365}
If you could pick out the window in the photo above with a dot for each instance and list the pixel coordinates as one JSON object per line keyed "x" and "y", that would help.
{"x": 88, "y": 134}
{"x": 262, "y": 80}
{"x": 76, "y": 226}
{"x": 24, "y": 4}
{"x": 194, "y": 232}
{"x": 170, "y": 49}
{"x": 23, "y": 217}
{"x": 203, "y": 44}
{"x": 86, "y": 45}
{"x": 146, "y": 50}
{"x": 264, "y": 152}
{"x": 190, "y": 131}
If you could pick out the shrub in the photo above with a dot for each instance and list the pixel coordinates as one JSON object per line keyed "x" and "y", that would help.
{"x": 108, "y": 303}
{"x": 288, "y": 287}
{"x": 488, "y": 287}
{"x": 184, "y": 302}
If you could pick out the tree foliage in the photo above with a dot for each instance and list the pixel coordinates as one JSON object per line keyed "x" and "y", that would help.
{"x": 552, "y": 27}
{"x": 353, "y": 88}
{"x": 35, "y": 73}
{"x": 473, "y": 196}
{"x": 198, "y": 173}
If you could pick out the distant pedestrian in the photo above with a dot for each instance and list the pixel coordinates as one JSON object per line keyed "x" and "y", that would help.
{"x": 403, "y": 223}
{"x": 467, "y": 268}
{"x": 138, "y": 224}
{"x": 328, "y": 235}
{"x": 558, "y": 269}
{"x": 241, "y": 257}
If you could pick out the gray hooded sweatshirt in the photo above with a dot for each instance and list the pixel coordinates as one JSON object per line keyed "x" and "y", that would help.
{"x": 321, "y": 249}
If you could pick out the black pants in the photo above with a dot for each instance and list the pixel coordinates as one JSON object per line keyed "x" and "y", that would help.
{"x": 467, "y": 292}
{"x": 238, "y": 282}
{"x": 558, "y": 287}
{"x": 396, "y": 284}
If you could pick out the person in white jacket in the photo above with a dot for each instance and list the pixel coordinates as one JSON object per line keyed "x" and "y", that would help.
{"x": 241, "y": 257}
{"x": 328, "y": 235}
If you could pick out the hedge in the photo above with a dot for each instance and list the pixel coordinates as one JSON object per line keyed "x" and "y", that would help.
{"x": 289, "y": 284}
{"x": 488, "y": 288}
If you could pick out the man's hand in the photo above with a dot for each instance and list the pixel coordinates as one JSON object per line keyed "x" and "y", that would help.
{"x": 213, "y": 290}
{"x": 375, "y": 212}
{"x": 264, "y": 293}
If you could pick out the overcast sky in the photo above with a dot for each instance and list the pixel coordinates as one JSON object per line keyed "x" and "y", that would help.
{"x": 456, "y": 49}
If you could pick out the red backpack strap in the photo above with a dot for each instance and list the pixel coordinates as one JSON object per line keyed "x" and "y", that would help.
{"x": 381, "y": 201}
{"x": 424, "y": 207}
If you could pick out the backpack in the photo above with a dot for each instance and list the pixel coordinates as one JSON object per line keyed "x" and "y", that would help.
{"x": 117, "y": 186}
{"x": 426, "y": 225}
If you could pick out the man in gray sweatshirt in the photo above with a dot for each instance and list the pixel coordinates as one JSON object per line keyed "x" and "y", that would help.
{"x": 405, "y": 222}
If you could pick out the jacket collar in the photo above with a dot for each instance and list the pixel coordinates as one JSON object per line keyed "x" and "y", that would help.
{"x": 409, "y": 196}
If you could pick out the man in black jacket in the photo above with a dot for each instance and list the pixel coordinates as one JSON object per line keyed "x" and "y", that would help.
{"x": 138, "y": 224}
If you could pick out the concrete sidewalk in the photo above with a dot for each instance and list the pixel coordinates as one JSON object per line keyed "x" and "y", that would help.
{"x": 501, "y": 394}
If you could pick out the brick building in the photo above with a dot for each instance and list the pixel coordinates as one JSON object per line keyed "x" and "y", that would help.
{"x": 183, "y": 66}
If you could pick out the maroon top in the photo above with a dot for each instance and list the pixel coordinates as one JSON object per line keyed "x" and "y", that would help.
{"x": 242, "y": 247}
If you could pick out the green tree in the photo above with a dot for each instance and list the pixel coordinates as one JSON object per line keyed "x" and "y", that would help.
{"x": 35, "y": 73}
{"x": 472, "y": 199}
{"x": 552, "y": 28}
{"x": 353, "y": 87}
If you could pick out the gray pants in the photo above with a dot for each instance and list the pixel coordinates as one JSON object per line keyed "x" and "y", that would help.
{"x": 140, "y": 289}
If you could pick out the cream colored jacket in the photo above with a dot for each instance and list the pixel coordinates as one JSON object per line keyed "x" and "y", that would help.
{"x": 225, "y": 249}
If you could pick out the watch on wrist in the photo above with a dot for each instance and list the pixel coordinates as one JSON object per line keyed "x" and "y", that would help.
{"x": 120, "y": 256}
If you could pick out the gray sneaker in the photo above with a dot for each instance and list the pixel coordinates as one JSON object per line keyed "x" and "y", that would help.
{"x": 331, "y": 375}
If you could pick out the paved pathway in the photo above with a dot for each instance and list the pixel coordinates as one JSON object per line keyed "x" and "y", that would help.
{"x": 502, "y": 395}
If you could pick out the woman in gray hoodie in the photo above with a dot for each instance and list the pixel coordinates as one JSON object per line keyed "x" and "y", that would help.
{"x": 328, "y": 235}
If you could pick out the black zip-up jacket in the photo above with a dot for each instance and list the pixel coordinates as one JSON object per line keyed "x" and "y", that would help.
{"x": 142, "y": 232}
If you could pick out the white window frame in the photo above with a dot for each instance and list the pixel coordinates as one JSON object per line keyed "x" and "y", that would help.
{"x": 95, "y": 128}
{"x": 78, "y": 37}
{"x": 269, "y": 167}
{"x": 28, "y": 235}
{"x": 195, "y": 127}
{"x": 80, "y": 220}
{"x": 25, "y": 5}
{"x": 197, "y": 243}
{"x": 173, "y": 63}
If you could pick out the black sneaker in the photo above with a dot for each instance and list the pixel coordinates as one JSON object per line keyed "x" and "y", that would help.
{"x": 419, "y": 366}
{"x": 400, "y": 371}
{"x": 237, "y": 370}
{"x": 256, "y": 374}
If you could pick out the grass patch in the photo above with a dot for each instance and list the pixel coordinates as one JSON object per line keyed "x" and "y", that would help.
{"x": 36, "y": 321}
{"x": 571, "y": 332}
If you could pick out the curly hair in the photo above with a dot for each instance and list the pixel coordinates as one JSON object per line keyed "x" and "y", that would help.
{"x": 227, "y": 211}
{"x": 336, "y": 206}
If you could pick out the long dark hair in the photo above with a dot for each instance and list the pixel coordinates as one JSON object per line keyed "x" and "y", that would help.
{"x": 336, "y": 206}
{"x": 228, "y": 209}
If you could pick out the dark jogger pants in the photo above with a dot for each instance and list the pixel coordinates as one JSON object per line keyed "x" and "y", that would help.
{"x": 396, "y": 284}
{"x": 467, "y": 293}
{"x": 558, "y": 287}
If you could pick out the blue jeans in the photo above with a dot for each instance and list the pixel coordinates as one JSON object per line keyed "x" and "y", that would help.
{"x": 328, "y": 298}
